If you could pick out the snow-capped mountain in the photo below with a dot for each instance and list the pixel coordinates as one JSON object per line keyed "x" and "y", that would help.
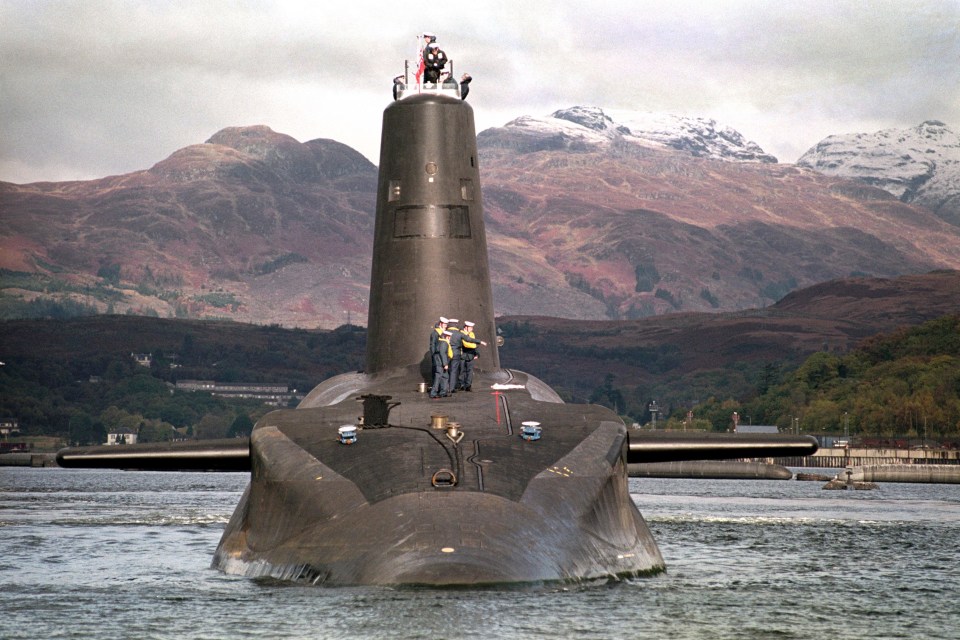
{"x": 593, "y": 127}
{"x": 919, "y": 165}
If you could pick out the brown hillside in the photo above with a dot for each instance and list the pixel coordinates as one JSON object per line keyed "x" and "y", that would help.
{"x": 623, "y": 225}
{"x": 255, "y": 226}
{"x": 217, "y": 218}
{"x": 679, "y": 359}
{"x": 832, "y": 316}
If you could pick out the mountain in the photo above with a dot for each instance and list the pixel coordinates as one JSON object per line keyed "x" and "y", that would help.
{"x": 593, "y": 128}
{"x": 642, "y": 228}
{"x": 591, "y": 215}
{"x": 919, "y": 165}
{"x": 251, "y": 225}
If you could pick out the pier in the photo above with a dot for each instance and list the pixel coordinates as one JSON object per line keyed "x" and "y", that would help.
{"x": 842, "y": 457}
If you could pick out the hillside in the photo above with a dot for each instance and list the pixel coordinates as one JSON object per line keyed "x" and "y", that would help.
{"x": 591, "y": 215}
{"x": 678, "y": 359}
{"x": 251, "y": 225}
{"x": 661, "y": 357}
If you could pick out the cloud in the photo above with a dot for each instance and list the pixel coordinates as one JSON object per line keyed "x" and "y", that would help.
{"x": 96, "y": 87}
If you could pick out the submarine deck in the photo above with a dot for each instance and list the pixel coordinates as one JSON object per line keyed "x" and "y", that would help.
{"x": 411, "y": 455}
{"x": 408, "y": 504}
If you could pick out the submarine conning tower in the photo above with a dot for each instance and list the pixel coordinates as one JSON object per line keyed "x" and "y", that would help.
{"x": 429, "y": 247}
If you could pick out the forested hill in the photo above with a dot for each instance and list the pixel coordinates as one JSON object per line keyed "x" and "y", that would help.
{"x": 77, "y": 378}
{"x": 62, "y": 377}
{"x": 905, "y": 384}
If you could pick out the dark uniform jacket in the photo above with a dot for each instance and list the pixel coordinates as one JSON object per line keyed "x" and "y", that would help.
{"x": 455, "y": 339}
{"x": 433, "y": 61}
{"x": 435, "y": 340}
{"x": 445, "y": 351}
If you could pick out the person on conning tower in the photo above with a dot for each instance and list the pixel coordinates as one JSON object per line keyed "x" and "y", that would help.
{"x": 433, "y": 73}
{"x": 434, "y": 60}
{"x": 424, "y": 41}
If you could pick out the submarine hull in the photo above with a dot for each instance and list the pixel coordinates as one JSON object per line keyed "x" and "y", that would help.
{"x": 554, "y": 509}
{"x": 409, "y": 503}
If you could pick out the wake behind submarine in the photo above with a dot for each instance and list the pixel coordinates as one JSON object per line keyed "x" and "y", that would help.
{"x": 506, "y": 484}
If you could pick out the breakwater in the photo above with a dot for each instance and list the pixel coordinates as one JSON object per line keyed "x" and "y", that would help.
{"x": 28, "y": 460}
{"x": 925, "y": 473}
{"x": 714, "y": 469}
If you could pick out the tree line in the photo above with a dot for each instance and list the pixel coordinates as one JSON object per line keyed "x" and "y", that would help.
{"x": 905, "y": 384}
{"x": 75, "y": 379}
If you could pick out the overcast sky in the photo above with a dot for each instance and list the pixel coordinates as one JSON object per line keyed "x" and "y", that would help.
{"x": 91, "y": 88}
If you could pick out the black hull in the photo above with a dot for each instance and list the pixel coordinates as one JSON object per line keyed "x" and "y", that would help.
{"x": 555, "y": 509}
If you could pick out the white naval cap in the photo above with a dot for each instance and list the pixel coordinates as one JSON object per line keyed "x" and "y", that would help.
{"x": 468, "y": 324}
{"x": 443, "y": 320}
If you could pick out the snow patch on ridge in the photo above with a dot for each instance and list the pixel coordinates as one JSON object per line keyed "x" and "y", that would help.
{"x": 921, "y": 164}
{"x": 593, "y": 127}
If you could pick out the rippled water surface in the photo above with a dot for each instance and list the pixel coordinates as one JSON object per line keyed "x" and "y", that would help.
{"x": 104, "y": 554}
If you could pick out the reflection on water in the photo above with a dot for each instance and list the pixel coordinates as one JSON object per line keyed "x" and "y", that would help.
{"x": 106, "y": 554}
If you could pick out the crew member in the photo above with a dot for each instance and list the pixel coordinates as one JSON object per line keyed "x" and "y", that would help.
{"x": 470, "y": 353}
{"x": 425, "y": 40}
{"x": 397, "y": 86}
{"x": 443, "y": 389}
{"x": 465, "y": 80}
{"x": 439, "y": 369}
{"x": 456, "y": 338}
{"x": 434, "y": 59}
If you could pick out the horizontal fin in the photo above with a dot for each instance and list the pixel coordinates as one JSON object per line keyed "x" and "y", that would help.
{"x": 232, "y": 454}
{"x": 668, "y": 446}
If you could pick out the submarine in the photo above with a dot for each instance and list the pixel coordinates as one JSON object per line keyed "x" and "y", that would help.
{"x": 370, "y": 481}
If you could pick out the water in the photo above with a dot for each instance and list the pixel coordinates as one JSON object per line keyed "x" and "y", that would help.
{"x": 108, "y": 554}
